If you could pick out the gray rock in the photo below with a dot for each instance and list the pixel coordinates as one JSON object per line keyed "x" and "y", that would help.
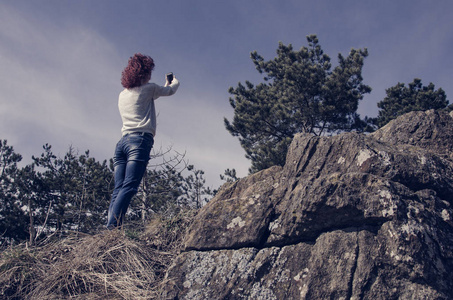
{"x": 351, "y": 216}
{"x": 430, "y": 130}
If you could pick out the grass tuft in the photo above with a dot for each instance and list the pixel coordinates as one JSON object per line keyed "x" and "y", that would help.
{"x": 118, "y": 264}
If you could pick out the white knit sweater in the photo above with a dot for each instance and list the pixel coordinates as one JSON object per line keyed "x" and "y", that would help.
{"x": 136, "y": 106}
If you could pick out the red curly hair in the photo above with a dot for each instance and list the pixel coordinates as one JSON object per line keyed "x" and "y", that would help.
{"x": 138, "y": 68}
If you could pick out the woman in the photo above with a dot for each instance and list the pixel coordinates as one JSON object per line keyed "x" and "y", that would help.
{"x": 136, "y": 106}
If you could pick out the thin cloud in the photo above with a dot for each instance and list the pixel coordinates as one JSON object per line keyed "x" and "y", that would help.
{"x": 60, "y": 82}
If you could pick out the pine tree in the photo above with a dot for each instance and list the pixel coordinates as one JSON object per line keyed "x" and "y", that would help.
{"x": 12, "y": 218}
{"x": 415, "y": 97}
{"x": 73, "y": 192}
{"x": 300, "y": 93}
{"x": 195, "y": 194}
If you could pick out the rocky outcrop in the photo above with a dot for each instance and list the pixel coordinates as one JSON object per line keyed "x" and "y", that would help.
{"x": 351, "y": 216}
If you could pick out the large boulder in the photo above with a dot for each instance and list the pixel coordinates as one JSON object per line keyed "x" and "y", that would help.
{"x": 351, "y": 216}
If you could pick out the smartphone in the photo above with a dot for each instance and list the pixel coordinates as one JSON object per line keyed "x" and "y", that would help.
{"x": 170, "y": 77}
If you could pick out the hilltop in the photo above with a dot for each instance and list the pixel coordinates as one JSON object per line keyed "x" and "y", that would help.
{"x": 351, "y": 216}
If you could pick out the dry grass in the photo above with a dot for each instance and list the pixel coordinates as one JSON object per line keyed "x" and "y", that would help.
{"x": 110, "y": 265}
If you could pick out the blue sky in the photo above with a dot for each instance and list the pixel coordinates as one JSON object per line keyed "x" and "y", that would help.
{"x": 61, "y": 62}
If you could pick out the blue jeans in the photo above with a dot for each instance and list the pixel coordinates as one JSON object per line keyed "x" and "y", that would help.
{"x": 130, "y": 160}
